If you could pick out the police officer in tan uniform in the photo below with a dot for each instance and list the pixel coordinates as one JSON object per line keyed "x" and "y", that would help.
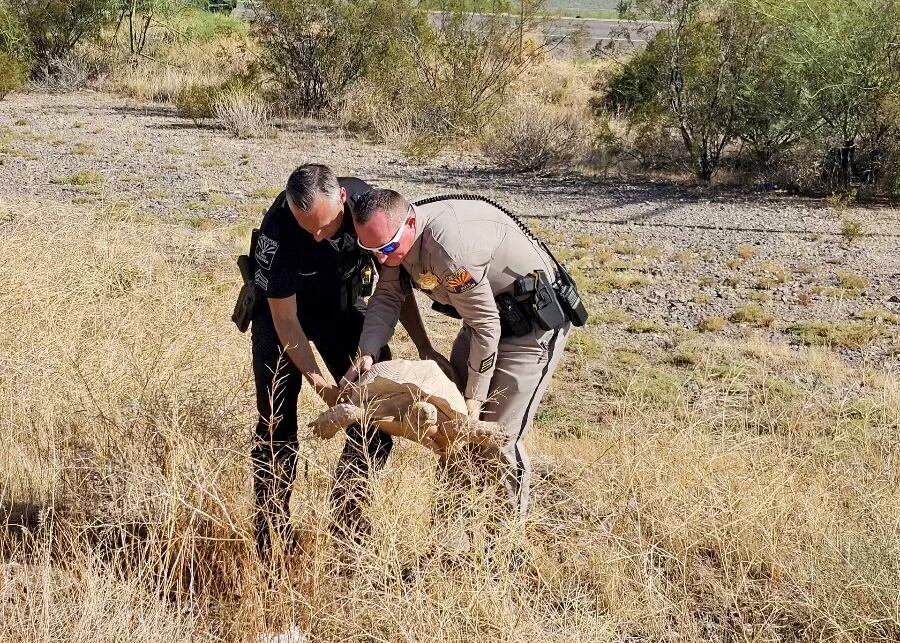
{"x": 466, "y": 254}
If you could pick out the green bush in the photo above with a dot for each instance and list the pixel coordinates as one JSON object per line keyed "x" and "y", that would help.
{"x": 805, "y": 91}
{"x": 392, "y": 69}
{"x": 203, "y": 26}
{"x": 197, "y": 102}
{"x": 54, "y": 28}
{"x": 12, "y": 74}
{"x": 316, "y": 49}
{"x": 692, "y": 75}
{"x": 13, "y": 39}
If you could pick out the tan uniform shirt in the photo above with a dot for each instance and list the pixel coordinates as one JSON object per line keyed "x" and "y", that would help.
{"x": 465, "y": 254}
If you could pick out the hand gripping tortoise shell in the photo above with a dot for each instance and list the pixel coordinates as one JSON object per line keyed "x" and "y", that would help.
{"x": 412, "y": 399}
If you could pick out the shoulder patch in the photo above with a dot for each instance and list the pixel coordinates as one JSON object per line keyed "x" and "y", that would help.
{"x": 260, "y": 280}
{"x": 265, "y": 251}
{"x": 487, "y": 363}
{"x": 460, "y": 281}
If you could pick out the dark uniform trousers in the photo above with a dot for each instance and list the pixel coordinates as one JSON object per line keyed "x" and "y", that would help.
{"x": 335, "y": 335}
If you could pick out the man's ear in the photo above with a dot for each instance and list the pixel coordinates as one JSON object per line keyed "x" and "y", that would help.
{"x": 343, "y": 195}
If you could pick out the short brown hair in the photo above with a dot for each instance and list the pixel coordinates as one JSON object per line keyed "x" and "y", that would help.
{"x": 391, "y": 202}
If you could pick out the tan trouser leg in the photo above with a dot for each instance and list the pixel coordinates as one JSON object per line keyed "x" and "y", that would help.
{"x": 523, "y": 370}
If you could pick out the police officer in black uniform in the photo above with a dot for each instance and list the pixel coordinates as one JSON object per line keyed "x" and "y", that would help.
{"x": 313, "y": 275}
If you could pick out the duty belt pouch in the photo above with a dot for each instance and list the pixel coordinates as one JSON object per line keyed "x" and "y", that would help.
{"x": 514, "y": 318}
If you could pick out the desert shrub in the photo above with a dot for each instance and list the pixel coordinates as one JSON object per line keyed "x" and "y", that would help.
{"x": 393, "y": 71}
{"x": 464, "y": 64}
{"x": 12, "y": 74}
{"x": 242, "y": 113}
{"x": 691, "y": 76}
{"x": 196, "y": 102}
{"x": 13, "y": 39}
{"x": 54, "y": 28}
{"x": 208, "y": 26}
{"x": 533, "y": 137}
{"x": 843, "y": 55}
{"x": 808, "y": 94}
{"x": 316, "y": 49}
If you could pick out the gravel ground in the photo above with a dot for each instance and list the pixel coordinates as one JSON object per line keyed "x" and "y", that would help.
{"x": 684, "y": 240}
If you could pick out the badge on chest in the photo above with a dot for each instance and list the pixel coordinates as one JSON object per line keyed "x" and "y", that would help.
{"x": 427, "y": 281}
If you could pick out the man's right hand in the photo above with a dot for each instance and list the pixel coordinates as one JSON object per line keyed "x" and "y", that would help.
{"x": 330, "y": 394}
{"x": 361, "y": 365}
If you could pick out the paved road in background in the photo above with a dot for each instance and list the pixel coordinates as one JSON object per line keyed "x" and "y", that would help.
{"x": 602, "y": 31}
{"x": 594, "y": 31}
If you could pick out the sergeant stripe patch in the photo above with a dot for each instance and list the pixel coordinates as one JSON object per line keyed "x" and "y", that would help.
{"x": 487, "y": 363}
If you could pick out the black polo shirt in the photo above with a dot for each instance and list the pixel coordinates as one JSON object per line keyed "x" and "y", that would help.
{"x": 289, "y": 261}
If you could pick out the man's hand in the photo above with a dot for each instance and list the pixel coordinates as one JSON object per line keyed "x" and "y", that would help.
{"x": 360, "y": 366}
{"x": 442, "y": 362}
{"x": 474, "y": 408}
{"x": 331, "y": 394}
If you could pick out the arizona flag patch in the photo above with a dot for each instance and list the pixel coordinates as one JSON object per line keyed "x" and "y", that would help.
{"x": 460, "y": 281}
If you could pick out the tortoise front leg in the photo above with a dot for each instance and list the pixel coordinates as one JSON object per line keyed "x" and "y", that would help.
{"x": 481, "y": 432}
{"x": 335, "y": 419}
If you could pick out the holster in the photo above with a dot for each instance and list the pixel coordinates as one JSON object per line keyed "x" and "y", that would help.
{"x": 245, "y": 306}
{"x": 248, "y": 297}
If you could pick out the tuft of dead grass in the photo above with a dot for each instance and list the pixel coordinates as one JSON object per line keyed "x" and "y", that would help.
{"x": 739, "y": 490}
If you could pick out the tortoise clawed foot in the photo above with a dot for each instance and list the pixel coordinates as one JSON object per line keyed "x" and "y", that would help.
{"x": 335, "y": 419}
{"x": 486, "y": 434}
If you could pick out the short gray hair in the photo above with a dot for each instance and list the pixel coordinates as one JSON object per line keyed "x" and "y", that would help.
{"x": 378, "y": 199}
{"x": 309, "y": 182}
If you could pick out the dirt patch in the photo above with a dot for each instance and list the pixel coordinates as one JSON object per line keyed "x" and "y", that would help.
{"x": 662, "y": 255}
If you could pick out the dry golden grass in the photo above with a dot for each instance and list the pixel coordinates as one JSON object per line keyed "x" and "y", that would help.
{"x": 743, "y": 491}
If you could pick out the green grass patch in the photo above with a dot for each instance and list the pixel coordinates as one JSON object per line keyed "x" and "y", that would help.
{"x": 851, "y": 281}
{"x": 584, "y": 344}
{"x": 752, "y": 314}
{"x": 881, "y": 315}
{"x": 80, "y": 178}
{"x": 712, "y": 324}
{"x": 84, "y": 149}
{"x": 609, "y": 280}
{"x": 266, "y": 193}
{"x": 840, "y": 334}
{"x": 610, "y": 315}
{"x": 6, "y": 150}
{"x": 641, "y": 326}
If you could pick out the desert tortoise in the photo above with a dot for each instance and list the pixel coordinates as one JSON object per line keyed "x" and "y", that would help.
{"x": 413, "y": 399}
